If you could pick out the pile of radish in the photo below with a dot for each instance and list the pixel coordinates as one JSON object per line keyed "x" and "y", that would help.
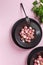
{"x": 38, "y": 61}
{"x": 27, "y": 34}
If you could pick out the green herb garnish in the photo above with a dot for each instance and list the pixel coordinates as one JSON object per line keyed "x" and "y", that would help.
{"x": 38, "y": 9}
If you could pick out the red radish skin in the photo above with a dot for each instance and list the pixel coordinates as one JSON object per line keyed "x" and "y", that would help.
{"x": 35, "y": 63}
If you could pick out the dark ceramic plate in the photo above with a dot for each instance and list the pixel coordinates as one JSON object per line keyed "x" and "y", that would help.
{"x": 16, "y": 30}
{"x": 34, "y": 54}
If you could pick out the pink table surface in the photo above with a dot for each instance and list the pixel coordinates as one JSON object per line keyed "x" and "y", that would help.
{"x": 10, "y": 12}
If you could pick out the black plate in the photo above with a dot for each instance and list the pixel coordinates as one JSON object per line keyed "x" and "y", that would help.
{"x": 16, "y": 30}
{"x": 34, "y": 54}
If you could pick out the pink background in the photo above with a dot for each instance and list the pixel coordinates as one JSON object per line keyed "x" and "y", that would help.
{"x": 10, "y": 12}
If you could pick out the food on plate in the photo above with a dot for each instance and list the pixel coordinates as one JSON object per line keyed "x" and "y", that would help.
{"x": 27, "y": 34}
{"x": 39, "y": 60}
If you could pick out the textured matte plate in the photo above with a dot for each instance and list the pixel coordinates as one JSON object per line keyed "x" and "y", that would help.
{"x": 34, "y": 54}
{"x": 16, "y": 30}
